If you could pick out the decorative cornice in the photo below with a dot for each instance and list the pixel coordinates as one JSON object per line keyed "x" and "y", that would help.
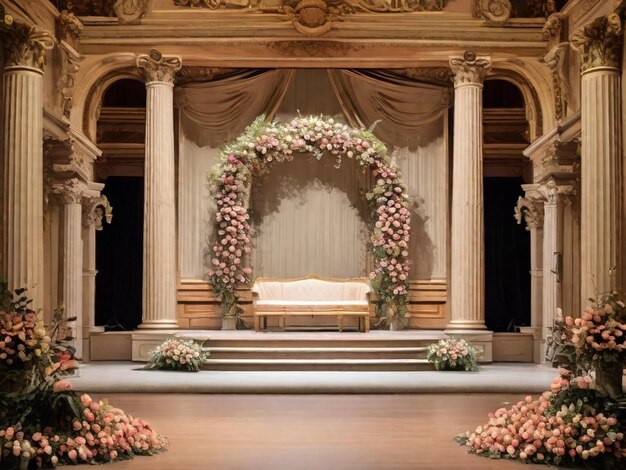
{"x": 156, "y": 67}
{"x": 201, "y": 74}
{"x": 530, "y": 210}
{"x": 25, "y": 45}
{"x": 309, "y": 48}
{"x": 470, "y": 69}
{"x": 599, "y": 43}
{"x": 440, "y": 75}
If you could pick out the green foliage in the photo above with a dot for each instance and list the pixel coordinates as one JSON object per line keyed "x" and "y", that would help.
{"x": 453, "y": 354}
{"x": 178, "y": 354}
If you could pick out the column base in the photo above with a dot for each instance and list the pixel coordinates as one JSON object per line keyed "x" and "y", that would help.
{"x": 466, "y": 325}
{"x": 480, "y": 338}
{"x": 158, "y": 325}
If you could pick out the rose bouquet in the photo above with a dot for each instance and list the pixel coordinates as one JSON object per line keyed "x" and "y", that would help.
{"x": 178, "y": 354}
{"x": 453, "y": 354}
{"x": 580, "y": 421}
{"x": 42, "y": 421}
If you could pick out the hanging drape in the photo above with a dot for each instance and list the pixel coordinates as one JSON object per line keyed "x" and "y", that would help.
{"x": 218, "y": 111}
{"x": 400, "y": 105}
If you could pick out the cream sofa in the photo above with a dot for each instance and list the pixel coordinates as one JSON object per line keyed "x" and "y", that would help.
{"x": 310, "y": 296}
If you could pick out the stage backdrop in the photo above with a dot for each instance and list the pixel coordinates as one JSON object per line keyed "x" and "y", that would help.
{"x": 309, "y": 216}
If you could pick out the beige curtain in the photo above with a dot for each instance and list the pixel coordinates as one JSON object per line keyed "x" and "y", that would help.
{"x": 399, "y": 105}
{"x": 218, "y": 111}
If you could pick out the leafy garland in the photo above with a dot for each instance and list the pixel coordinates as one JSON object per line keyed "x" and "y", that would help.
{"x": 253, "y": 154}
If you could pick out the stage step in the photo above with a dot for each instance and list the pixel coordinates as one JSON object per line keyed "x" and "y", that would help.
{"x": 317, "y": 352}
{"x": 318, "y": 364}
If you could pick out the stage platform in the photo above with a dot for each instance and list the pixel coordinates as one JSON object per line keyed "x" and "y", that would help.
{"x": 129, "y": 377}
{"x": 248, "y": 350}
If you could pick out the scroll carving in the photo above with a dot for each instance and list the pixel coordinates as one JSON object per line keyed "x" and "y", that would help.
{"x": 131, "y": 11}
{"x": 155, "y": 67}
{"x": 470, "y": 69}
{"x": 95, "y": 210}
{"x": 530, "y": 210}
{"x": 493, "y": 11}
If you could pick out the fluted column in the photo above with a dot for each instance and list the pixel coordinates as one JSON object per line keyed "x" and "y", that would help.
{"x": 22, "y": 186}
{"x": 530, "y": 210}
{"x": 555, "y": 198}
{"x": 601, "y": 169}
{"x": 159, "y": 230}
{"x": 71, "y": 193}
{"x": 467, "y": 283}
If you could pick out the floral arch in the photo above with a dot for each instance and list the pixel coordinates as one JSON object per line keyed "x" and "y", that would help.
{"x": 262, "y": 145}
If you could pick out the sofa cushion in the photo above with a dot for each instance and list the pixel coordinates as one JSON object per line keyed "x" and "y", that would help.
{"x": 311, "y": 290}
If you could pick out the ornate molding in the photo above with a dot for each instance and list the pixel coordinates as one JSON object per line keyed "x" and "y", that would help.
{"x": 530, "y": 210}
{"x": 71, "y": 191}
{"x": 440, "y": 75}
{"x": 313, "y": 48}
{"x": 555, "y": 194}
{"x": 155, "y": 67}
{"x": 131, "y": 11}
{"x": 201, "y": 74}
{"x": 94, "y": 210}
{"x": 469, "y": 69}
{"x": 555, "y": 60}
{"x": 316, "y": 17}
{"x": 599, "y": 43}
{"x": 69, "y": 27}
{"x": 25, "y": 45}
{"x": 496, "y": 12}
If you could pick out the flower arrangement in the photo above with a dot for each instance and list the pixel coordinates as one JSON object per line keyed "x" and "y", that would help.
{"x": 453, "y": 354}
{"x": 43, "y": 422}
{"x": 580, "y": 421}
{"x": 262, "y": 145}
{"x": 178, "y": 354}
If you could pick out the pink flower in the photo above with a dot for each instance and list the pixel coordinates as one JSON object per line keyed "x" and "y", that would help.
{"x": 61, "y": 386}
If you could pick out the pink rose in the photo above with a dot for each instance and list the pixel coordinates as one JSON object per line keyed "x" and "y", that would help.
{"x": 61, "y": 386}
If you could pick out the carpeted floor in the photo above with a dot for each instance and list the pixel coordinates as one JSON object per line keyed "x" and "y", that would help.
{"x": 128, "y": 377}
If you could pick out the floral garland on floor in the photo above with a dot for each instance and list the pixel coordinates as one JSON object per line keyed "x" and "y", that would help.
{"x": 581, "y": 420}
{"x": 43, "y": 423}
{"x": 261, "y": 146}
{"x": 453, "y": 354}
{"x": 178, "y": 354}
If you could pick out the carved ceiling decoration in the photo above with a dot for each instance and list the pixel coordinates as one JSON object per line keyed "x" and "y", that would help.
{"x": 316, "y": 17}
{"x": 499, "y": 11}
{"x": 127, "y": 11}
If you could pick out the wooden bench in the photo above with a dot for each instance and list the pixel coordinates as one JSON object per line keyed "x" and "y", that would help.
{"x": 311, "y": 296}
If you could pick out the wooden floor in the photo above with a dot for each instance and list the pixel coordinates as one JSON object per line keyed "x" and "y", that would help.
{"x": 284, "y": 432}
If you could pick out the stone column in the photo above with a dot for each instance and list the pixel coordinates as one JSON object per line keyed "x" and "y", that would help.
{"x": 555, "y": 198}
{"x": 159, "y": 230}
{"x": 93, "y": 211}
{"x": 22, "y": 186}
{"x": 599, "y": 45}
{"x": 467, "y": 246}
{"x": 71, "y": 193}
{"x": 530, "y": 210}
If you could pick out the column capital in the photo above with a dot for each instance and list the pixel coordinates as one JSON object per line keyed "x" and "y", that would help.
{"x": 25, "y": 45}
{"x": 155, "y": 67}
{"x": 94, "y": 210}
{"x": 469, "y": 69}
{"x": 71, "y": 191}
{"x": 599, "y": 43}
{"x": 529, "y": 209}
{"x": 555, "y": 194}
